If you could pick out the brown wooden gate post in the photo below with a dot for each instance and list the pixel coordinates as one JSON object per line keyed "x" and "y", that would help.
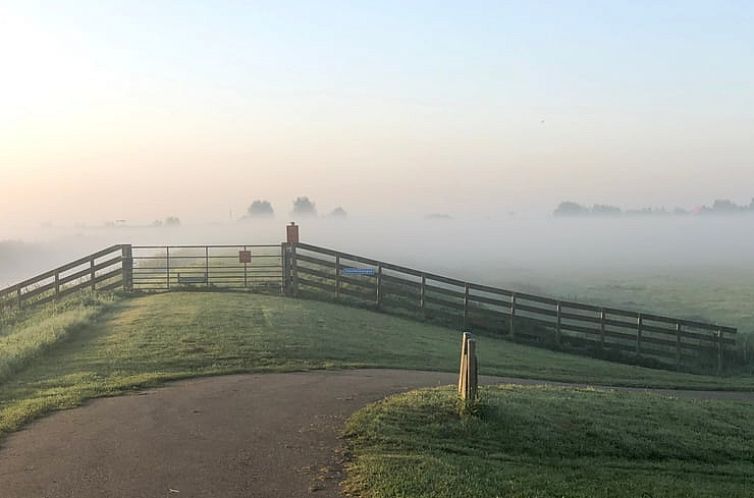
{"x": 285, "y": 269}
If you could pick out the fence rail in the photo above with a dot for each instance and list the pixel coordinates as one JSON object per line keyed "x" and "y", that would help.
{"x": 386, "y": 285}
{"x": 104, "y": 270}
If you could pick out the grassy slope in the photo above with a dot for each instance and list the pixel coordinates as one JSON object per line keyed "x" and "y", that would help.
{"x": 145, "y": 340}
{"x": 551, "y": 442}
{"x": 27, "y": 334}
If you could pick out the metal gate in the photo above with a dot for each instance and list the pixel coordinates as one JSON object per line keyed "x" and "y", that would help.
{"x": 250, "y": 266}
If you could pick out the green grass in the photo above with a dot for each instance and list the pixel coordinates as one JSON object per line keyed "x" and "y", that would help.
{"x": 26, "y": 334}
{"x": 722, "y": 295}
{"x": 146, "y": 340}
{"x": 551, "y": 442}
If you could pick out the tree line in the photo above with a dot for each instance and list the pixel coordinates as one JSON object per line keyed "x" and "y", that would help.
{"x": 302, "y": 207}
{"x": 720, "y": 207}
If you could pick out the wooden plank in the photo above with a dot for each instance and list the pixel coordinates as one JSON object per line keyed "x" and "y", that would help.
{"x": 316, "y": 284}
{"x": 487, "y": 300}
{"x": 522, "y": 296}
{"x": 580, "y": 306}
{"x": 315, "y": 261}
{"x": 37, "y": 291}
{"x": 536, "y": 310}
{"x": 400, "y": 281}
{"x": 579, "y": 328}
{"x": 445, "y": 292}
{"x": 315, "y": 273}
{"x": 363, "y": 282}
{"x": 443, "y": 303}
{"x": 490, "y": 290}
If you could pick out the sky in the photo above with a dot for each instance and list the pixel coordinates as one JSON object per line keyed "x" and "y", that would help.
{"x": 139, "y": 110}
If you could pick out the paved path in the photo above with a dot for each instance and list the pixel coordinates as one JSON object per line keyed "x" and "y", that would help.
{"x": 265, "y": 435}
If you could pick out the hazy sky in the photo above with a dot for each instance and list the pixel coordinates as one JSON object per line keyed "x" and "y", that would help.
{"x": 139, "y": 110}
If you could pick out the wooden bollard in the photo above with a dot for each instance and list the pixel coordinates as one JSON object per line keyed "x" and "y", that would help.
{"x": 471, "y": 371}
{"x": 467, "y": 376}
{"x": 464, "y": 358}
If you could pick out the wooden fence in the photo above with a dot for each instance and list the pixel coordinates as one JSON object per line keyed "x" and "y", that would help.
{"x": 517, "y": 315}
{"x": 306, "y": 268}
{"x": 107, "y": 269}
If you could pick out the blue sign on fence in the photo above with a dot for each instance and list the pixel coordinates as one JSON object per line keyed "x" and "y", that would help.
{"x": 357, "y": 271}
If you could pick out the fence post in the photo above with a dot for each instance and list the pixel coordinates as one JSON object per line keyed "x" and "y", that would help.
{"x": 639, "y": 323}
{"x": 57, "y": 284}
{"x": 167, "y": 266}
{"x": 378, "y": 297}
{"x": 558, "y": 310}
{"x": 92, "y": 273}
{"x": 294, "y": 271}
{"x": 678, "y": 345}
{"x": 422, "y": 293}
{"x": 127, "y": 265}
{"x": 337, "y": 276}
{"x": 465, "y": 305}
{"x": 245, "y": 271}
{"x": 284, "y": 268}
{"x": 602, "y": 328}
{"x": 719, "y": 334}
{"x": 513, "y": 316}
{"x": 206, "y": 264}
{"x": 19, "y": 298}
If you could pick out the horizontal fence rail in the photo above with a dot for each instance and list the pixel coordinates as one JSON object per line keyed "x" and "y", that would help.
{"x": 104, "y": 270}
{"x": 518, "y": 315}
{"x": 207, "y": 266}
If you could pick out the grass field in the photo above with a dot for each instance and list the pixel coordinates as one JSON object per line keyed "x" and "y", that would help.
{"x": 722, "y": 295}
{"x": 551, "y": 442}
{"x": 111, "y": 347}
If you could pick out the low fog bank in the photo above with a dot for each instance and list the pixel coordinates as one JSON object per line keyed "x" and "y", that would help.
{"x": 505, "y": 251}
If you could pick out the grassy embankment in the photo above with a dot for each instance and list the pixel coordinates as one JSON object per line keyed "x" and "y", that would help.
{"x": 110, "y": 348}
{"x": 548, "y": 441}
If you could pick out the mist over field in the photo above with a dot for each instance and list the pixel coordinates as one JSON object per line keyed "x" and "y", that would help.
{"x": 505, "y": 250}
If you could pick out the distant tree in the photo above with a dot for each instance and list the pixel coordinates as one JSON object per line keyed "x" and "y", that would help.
{"x": 260, "y": 209}
{"x": 157, "y": 223}
{"x": 302, "y": 206}
{"x": 605, "y": 210}
{"x": 568, "y": 208}
{"x": 338, "y": 212}
{"x": 172, "y": 221}
{"x": 725, "y": 205}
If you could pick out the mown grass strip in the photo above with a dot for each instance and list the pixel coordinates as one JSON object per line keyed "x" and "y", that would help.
{"x": 546, "y": 441}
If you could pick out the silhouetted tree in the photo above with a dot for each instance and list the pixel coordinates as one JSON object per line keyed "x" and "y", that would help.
{"x": 338, "y": 212}
{"x": 568, "y": 208}
{"x": 259, "y": 209}
{"x": 725, "y": 206}
{"x": 302, "y": 206}
{"x": 172, "y": 221}
{"x": 605, "y": 210}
